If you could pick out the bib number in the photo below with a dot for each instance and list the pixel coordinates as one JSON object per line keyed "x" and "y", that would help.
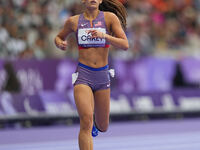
{"x": 86, "y": 40}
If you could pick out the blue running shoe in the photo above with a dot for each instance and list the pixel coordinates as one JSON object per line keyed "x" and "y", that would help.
{"x": 95, "y": 131}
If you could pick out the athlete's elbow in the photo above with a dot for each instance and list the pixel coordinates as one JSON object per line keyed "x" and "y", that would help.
{"x": 126, "y": 47}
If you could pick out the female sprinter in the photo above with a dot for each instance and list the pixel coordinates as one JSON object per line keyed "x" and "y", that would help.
{"x": 101, "y": 24}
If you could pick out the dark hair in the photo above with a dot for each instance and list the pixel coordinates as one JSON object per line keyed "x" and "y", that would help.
{"x": 117, "y": 8}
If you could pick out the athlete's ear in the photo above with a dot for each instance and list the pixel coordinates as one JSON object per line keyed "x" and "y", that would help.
{"x": 101, "y": 1}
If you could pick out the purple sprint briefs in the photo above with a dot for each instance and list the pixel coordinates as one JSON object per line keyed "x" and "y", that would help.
{"x": 95, "y": 78}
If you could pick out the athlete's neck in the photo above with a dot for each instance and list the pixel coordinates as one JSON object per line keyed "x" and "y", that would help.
{"x": 91, "y": 14}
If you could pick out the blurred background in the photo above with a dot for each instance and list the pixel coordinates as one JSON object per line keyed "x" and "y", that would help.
{"x": 157, "y": 78}
{"x": 155, "y": 95}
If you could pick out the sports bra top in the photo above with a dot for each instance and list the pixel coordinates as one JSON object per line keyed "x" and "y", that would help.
{"x": 84, "y": 39}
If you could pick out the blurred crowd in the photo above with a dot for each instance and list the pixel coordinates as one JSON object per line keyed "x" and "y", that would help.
{"x": 164, "y": 27}
{"x": 154, "y": 27}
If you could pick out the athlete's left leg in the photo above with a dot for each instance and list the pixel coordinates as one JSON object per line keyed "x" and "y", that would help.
{"x": 102, "y": 109}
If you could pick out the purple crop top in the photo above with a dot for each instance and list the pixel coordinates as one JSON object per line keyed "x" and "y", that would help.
{"x": 84, "y": 39}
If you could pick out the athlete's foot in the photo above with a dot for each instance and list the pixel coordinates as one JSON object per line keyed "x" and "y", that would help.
{"x": 95, "y": 131}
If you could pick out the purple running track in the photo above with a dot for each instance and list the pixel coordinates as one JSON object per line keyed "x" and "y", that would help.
{"x": 146, "y": 135}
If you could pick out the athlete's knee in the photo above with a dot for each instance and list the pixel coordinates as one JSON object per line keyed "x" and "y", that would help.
{"x": 86, "y": 122}
{"x": 102, "y": 126}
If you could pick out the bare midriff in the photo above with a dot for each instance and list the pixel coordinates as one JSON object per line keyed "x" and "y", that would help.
{"x": 94, "y": 57}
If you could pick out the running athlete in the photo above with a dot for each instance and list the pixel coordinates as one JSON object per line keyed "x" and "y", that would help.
{"x": 100, "y": 25}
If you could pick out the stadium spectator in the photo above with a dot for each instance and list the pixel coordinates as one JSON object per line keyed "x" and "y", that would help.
{"x": 155, "y": 27}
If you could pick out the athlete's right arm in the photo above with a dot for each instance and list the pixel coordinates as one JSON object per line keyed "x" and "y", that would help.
{"x": 60, "y": 39}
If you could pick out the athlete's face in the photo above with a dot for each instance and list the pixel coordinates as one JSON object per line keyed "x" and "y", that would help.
{"x": 92, "y": 3}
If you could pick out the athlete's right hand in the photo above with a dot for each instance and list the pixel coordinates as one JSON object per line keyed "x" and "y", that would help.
{"x": 60, "y": 43}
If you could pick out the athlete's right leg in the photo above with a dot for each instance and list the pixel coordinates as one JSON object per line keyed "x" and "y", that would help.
{"x": 85, "y": 106}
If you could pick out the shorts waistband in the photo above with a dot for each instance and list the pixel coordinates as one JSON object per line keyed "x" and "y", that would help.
{"x": 93, "y": 69}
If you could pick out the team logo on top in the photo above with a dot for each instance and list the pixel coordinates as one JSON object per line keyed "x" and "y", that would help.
{"x": 84, "y": 24}
{"x": 98, "y": 24}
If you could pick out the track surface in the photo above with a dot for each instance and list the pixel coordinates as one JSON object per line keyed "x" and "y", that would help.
{"x": 148, "y": 135}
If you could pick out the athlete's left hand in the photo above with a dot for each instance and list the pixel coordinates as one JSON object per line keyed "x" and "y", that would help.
{"x": 96, "y": 33}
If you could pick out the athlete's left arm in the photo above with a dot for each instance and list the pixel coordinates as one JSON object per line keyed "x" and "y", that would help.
{"x": 119, "y": 39}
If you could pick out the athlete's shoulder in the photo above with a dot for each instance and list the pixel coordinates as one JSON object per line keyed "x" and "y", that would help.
{"x": 110, "y": 18}
{"x": 109, "y": 14}
{"x": 72, "y": 22}
{"x": 73, "y": 19}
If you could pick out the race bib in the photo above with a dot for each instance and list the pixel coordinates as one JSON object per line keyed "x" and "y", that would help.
{"x": 86, "y": 40}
